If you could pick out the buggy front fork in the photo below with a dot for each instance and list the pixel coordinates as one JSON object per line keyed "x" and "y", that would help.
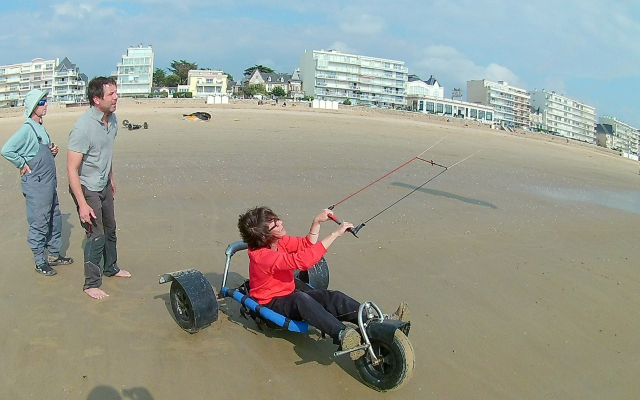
{"x": 367, "y": 308}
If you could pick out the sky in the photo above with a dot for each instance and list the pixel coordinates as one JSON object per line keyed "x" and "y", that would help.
{"x": 588, "y": 50}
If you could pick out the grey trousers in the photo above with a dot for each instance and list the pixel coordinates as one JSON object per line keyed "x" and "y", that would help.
{"x": 100, "y": 246}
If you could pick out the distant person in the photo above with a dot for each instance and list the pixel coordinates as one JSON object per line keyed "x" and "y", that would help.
{"x": 92, "y": 185}
{"x": 31, "y": 150}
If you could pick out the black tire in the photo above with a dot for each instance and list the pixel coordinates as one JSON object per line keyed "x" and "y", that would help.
{"x": 145, "y": 125}
{"x": 130, "y": 127}
{"x": 182, "y": 307}
{"x": 125, "y": 123}
{"x": 396, "y": 368}
{"x": 317, "y": 277}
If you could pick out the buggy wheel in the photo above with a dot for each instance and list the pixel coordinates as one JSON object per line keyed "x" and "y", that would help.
{"x": 145, "y": 125}
{"x": 397, "y": 364}
{"x": 317, "y": 277}
{"x": 130, "y": 127}
{"x": 182, "y": 307}
{"x": 125, "y": 123}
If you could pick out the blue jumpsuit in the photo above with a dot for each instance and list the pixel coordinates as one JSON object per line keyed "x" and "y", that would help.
{"x": 43, "y": 211}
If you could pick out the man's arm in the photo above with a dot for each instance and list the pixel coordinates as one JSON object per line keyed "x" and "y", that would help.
{"x": 113, "y": 183}
{"x": 74, "y": 159}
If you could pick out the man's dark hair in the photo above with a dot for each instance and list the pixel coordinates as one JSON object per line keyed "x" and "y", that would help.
{"x": 254, "y": 227}
{"x": 96, "y": 87}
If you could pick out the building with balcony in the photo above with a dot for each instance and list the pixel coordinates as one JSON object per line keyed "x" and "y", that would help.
{"x": 511, "y": 105}
{"x": 69, "y": 84}
{"x": 617, "y": 135}
{"x": 428, "y": 97}
{"x": 135, "y": 72}
{"x": 565, "y": 117}
{"x": 204, "y": 83}
{"x": 332, "y": 75}
{"x": 18, "y": 79}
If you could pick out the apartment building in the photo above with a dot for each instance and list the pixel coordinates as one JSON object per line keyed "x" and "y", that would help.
{"x": 69, "y": 84}
{"x": 332, "y": 75}
{"x": 204, "y": 83}
{"x": 564, "y": 116}
{"x": 135, "y": 72}
{"x": 17, "y": 79}
{"x": 617, "y": 135}
{"x": 511, "y": 105}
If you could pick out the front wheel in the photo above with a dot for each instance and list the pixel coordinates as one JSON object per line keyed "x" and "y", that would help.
{"x": 397, "y": 364}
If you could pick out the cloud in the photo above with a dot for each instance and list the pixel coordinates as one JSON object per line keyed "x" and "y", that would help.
{"x": 71, "y": 10}
{"x": 362, "y": 24}
{"x": 343, "y": 47}
{"x": 447, "y": 62}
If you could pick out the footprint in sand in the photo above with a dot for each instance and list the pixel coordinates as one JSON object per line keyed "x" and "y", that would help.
{"x": 95, "y": 351}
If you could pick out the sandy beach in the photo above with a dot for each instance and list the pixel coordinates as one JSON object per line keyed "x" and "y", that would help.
{"x": 519, "y": 264}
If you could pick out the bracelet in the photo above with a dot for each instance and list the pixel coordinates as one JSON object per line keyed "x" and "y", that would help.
{"x": 310, "y": 233}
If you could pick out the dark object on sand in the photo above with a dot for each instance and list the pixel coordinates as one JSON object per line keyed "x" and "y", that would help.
{"x": 198, "y": 116}
{"x": 131, "y": 126}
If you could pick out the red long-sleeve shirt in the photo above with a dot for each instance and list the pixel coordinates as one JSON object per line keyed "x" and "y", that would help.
{"x": 271, "y": 272}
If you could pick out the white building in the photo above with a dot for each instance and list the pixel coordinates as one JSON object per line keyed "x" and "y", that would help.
{"x": 135, "y": 72}
{"x": 429, "y": 88}
{"x": 204, "y": 83}
{"x": 428, "y": 97}
{"x": 17, "y": 79}
{"x": 332, "y": 75}
{"x": 69, "y": 84}
{"x": 511, "y": 104}
{"x": 617, "y": 135}
{"x": 565, "y": 117}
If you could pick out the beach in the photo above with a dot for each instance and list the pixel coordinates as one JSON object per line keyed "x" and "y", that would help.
{"x": 518, "y": 263}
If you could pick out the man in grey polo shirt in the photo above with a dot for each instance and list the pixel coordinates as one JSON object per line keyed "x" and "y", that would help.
{"x": 92, "y": 185}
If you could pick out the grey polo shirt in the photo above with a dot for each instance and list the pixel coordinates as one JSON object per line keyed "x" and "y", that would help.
{"x": 90, "y": 137}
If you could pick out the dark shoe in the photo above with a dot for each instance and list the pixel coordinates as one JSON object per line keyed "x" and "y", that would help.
{"x": 45, "y": 269}
{"x": 53, "y": 261}
{"x": 401, "y": 314}
{"x": 350, "y": 339}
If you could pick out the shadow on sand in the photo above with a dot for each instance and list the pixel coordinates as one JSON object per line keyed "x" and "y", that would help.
{"x": 104, "y": 392}
{"x": 446, "y": 194}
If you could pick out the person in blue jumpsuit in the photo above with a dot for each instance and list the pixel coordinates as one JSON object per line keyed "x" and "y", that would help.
{"x": 30, "y": 149}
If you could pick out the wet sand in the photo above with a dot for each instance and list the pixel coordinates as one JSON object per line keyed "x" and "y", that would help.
{"x": 519, "y": 264}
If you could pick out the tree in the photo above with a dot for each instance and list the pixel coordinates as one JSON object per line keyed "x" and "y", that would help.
{"x": 172, "y": 80}
{"x": 260, "y": 68}
{"x": 229, "y": 76}
{"x": 257, "y": 88}
{"x": 181, "y": 69}
{"x": 158, "y": 77}
{"x": 278, "y": 91}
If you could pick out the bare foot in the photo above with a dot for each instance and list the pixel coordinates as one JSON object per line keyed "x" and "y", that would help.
{"x": 123, "y": 274}
{"x": 96, "y": 293}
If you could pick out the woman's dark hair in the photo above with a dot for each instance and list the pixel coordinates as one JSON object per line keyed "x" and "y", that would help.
{"x": 96, "y": 87}
{"x": 254, "y": 227}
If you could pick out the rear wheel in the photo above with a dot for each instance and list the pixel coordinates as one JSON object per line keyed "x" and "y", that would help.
{"x": 397, "y": 364}
{"x": 125, "y": 123}
{"x": 145, "y": 125}
{"x": 182, "y": 307}
{"x": 317, "y": 277}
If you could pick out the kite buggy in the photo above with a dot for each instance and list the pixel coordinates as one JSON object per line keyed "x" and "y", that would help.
{"x": 131, "y": 126}
{"x": 388, "y": 361}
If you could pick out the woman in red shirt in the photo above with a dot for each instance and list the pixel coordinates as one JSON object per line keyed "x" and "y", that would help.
{"x": 273, "y": 258}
